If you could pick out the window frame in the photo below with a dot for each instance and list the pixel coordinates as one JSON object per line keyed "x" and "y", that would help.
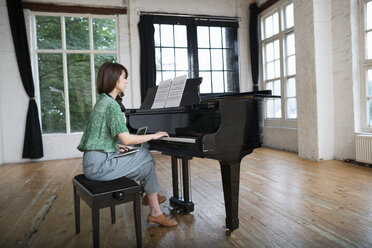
{"x": 365, "y": 65}
{"x": 34, "y": 51}
{"x": 284, "y": 32}
{"x": 192, "y": 49}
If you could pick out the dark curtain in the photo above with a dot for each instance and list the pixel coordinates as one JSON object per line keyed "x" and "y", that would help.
{"x": 253, "y": 39}
{"x": 33, "y": 146}
{"x": 148, "y": 67}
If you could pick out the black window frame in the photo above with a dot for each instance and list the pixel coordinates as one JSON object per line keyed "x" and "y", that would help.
{"x": 192, "y": 49}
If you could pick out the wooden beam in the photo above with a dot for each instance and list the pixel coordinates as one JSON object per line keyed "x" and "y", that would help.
{"x": 267, "y": 5}
{"x": 42, "y": 7}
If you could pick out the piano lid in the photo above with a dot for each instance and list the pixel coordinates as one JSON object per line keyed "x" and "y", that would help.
{"x": 190, "y": 94}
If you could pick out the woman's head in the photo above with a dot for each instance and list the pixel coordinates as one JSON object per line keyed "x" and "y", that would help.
{"x": 108, "y": 76}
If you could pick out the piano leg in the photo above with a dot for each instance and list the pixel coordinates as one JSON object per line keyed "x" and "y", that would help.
{"x": 230, "y": 172}
{"x": 184, "y": 204}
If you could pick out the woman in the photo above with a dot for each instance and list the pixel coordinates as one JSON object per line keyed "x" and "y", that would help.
{"x": 99, "y": 143}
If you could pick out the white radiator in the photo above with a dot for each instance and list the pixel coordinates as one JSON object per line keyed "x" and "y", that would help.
{"x": 363, "y": 146}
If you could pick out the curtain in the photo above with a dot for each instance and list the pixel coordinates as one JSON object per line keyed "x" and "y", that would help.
{"x": 147, "y": 64}
{"x": 33, "y": 146}
{"x": 253, "y": 39}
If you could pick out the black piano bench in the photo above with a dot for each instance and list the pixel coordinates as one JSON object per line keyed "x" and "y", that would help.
{"x": 101, "y": 194}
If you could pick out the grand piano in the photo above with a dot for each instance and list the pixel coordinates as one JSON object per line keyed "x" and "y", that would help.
{"x": 225, "y": 128}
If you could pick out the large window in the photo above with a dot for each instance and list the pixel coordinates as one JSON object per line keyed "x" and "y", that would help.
{"x": 366, "y": 88}
{"x": 199, "y": 48}
{"x": 68, "y": 51}
{"x": 279, "y": 61}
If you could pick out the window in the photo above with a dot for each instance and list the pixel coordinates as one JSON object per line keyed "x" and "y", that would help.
{"x": 200, "y": 48}
{"x": 366, "y": 88}
{"x": 68, "y": 51}
{"x": 279, "y": 61}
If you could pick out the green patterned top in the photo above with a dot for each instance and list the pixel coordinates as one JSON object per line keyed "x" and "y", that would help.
{"x": 105, "y": 122}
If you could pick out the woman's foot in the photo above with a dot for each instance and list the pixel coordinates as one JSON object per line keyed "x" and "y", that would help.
{"x": 161, "y": 220}
{"x": 161, "y": 199}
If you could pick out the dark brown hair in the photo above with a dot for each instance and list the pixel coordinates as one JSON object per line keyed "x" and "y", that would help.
{"x": 108, "y": 76}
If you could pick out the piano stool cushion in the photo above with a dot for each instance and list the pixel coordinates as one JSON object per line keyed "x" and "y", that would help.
{"x": 99, "y": 187}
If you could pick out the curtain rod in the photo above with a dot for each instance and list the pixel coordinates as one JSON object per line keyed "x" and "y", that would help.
{"x": 187, "y": 15}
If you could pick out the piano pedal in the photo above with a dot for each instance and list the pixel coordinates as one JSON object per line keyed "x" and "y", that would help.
{"x": 176, "y": 210}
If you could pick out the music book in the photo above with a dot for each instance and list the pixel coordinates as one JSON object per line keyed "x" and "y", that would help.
{"x": 169, "y": 93}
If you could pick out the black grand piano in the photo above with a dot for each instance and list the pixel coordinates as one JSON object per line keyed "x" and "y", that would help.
{"x": 225, "y": 128}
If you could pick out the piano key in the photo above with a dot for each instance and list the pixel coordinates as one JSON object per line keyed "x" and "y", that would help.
{"x": 179, "y": 139}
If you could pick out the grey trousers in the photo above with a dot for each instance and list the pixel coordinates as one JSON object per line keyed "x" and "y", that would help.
{"x": 138, "y": 166}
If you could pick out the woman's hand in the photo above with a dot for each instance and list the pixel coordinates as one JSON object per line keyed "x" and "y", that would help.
{"x": 160, "y": 134}
{"x": 123, "y": 148}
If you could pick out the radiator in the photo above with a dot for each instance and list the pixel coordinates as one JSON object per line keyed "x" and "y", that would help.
{"x": 363, "y": 146}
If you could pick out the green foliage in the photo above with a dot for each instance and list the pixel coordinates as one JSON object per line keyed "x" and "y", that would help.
{"x": 79, "y": 74}
{"x": 48, "y": 31}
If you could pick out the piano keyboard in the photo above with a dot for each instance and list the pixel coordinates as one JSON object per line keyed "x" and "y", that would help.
{"x": 178, "y": 139}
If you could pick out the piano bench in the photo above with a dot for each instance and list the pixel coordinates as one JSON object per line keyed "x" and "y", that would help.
{"x": 101, "y": 194}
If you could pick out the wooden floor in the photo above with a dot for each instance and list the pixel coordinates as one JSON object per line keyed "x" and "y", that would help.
{"x": 284, "y": 202}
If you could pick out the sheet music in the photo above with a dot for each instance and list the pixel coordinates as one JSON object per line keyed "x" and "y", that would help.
{"x": 176, "y": 91}
{"x": 162, "y": 94}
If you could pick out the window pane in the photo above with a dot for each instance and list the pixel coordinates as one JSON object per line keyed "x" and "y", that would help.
{"x": 277, "y": 68}
{"x": 369, "y": 83}
{"x": 48, "y": 32}
{"x": 215, "y": 34}
{"x": 230, "y": 85}
{"x": 229, "y": 59}
{"x": 204, "y": 59}
{"x": 369, "y": 45}
{"x": 100, "y": 59}
{"x": 168, "y": 75}
{"x": 104, "y": 34}
{"x": 180, "y": 35}
{"x": 79, "y": 89}
{"x": 205, "y": 86}
{"x": 77, "y": 33}
{"x": 157, "y": 35}
{"x": 270, "y": 108}
{"x": 276, "y": 50}
{"x": 158, "y": 58}
{"x": 291, "y": 108}
{"x": 203, "y": 37}
{"x": 268, "y": 26}
{"x": 277, "y": 108}
{"x": 269, "y": 86}
{"x": 291, "y": 87}
{"x": 290, "y": 44}
{"x": 275, "y": 23}
{"x": 276, "y": 90}
{"x": 270, "y": 70}
{"x": 227, "y": 38}
{"x": 158, "y": 77}
{"x": 181, "y": 59}
{"x": 166, "y": 32}
{"x": 52, "y": 95}
{"x": 167, "y": 58}
{"x": 369, "y": 16}
{"x": 269, "y": 51}
{"x": 216, "y": 59}
{"x": 217, "y": 79}
{"x": 181, "y": 73}
{"x": 291, "y": 65}
{"x": 370, "y": 112}
{"x": 289, "y": 16}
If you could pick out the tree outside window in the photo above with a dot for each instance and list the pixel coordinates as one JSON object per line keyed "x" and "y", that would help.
{"x": 69, "y": 50}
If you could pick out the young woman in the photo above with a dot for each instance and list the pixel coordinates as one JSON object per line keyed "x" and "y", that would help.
{"x": 99, "y": 143}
